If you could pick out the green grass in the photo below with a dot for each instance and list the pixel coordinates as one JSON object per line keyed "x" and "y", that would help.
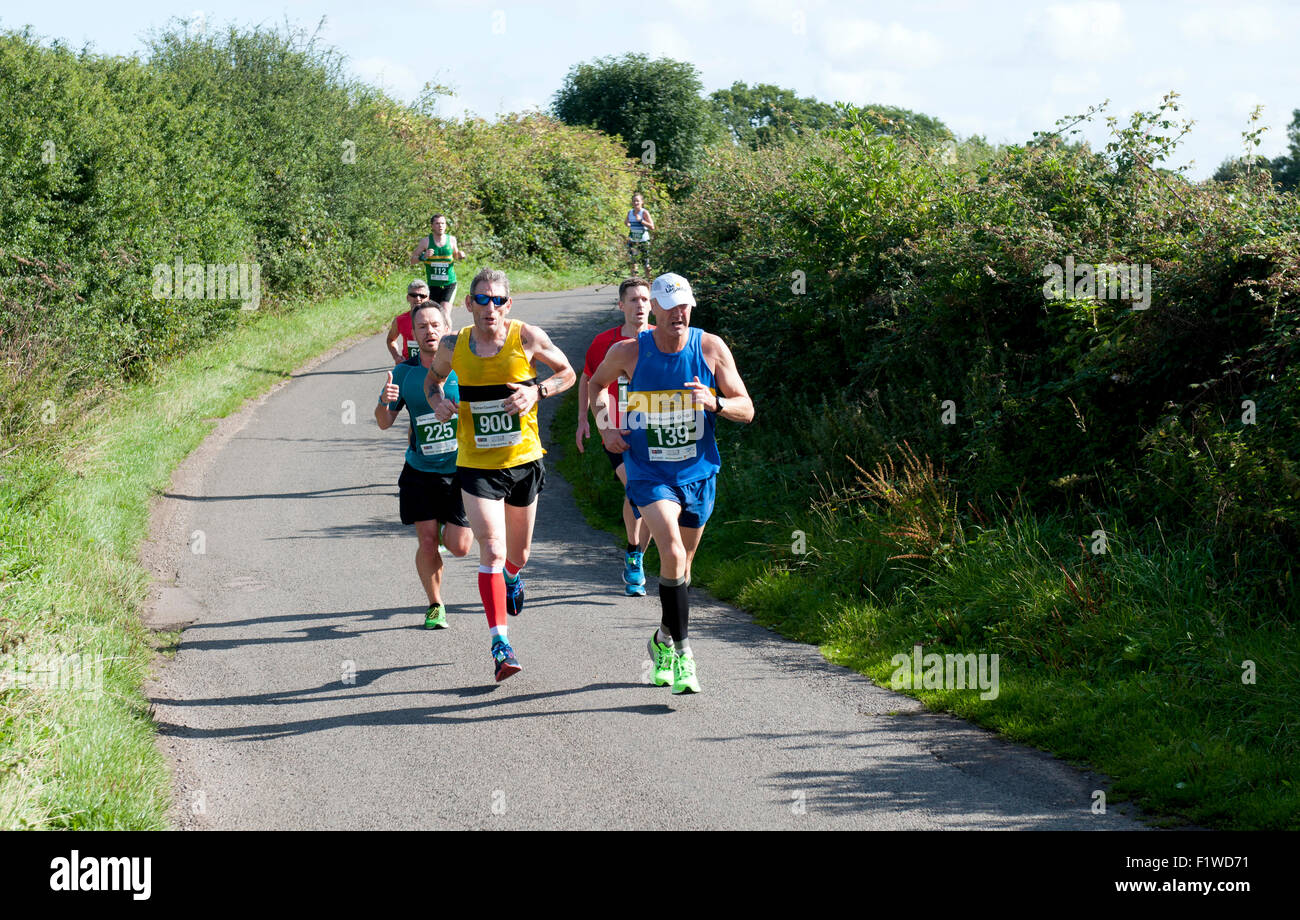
{"x": 74, "y": 510}
{"x": 1130, "y": 662}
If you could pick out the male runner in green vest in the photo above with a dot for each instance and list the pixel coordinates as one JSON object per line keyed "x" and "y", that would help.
{"x": 438, "y": 251}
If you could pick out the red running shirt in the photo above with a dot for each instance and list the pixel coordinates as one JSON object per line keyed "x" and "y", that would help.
{"x": 600, "y": 347}
{"x": 410, "y": 347}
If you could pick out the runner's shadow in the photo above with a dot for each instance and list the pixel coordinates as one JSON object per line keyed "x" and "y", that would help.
{"x": 490, "y": 706}
{"x": 354, "y": 373}
{"x": 380, "y": 614}
{"x": 375, "y": 527}
{"x": 307, "y": 694}
{"x": 318, "y": 493}
{"x": 309, "y": 634}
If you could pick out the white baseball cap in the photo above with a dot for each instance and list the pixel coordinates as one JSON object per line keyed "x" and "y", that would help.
{"x": 671, "y": 290}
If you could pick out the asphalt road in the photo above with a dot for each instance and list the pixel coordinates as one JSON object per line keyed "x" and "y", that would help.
{"x": 306, "y": 693}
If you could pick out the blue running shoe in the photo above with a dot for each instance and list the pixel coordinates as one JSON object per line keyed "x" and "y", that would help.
{"x": 634, "y": 590}
{"x": 515, "y": 596}
{"x": 633, "y": 572}
{"x": 504, "y": 657}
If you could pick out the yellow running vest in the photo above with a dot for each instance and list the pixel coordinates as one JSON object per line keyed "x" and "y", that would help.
{"x": 488, "y": 438}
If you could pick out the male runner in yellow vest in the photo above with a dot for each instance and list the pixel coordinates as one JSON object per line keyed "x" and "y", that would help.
{"x": 499, "y": 460}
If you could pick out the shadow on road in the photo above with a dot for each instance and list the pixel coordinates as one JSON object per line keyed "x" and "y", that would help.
{"x": 318, "y": 493}
{"x": 427, "y": 715}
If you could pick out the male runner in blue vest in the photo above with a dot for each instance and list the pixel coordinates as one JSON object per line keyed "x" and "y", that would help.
{"x": 681, "y": 379}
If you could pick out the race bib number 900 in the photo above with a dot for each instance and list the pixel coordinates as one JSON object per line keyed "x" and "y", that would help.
{"x": 433, "y": 437}
{"x": 672, "y": 424}
{"x": 493, "y": 427}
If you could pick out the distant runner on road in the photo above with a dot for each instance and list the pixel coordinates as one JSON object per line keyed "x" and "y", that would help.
{"x": 634, "y": 301}
{"x": 439, "y": 251}
{"x": 681, "y": 380}
{"x": 499, "y": 464}
{"x": 401, "y": 337}
{"x": 639, "y": 224}
{"x": 428, "y": 493}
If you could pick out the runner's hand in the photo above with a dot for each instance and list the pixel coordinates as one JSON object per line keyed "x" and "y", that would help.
{"x": 703, "y": 396}
{"x": 584, "y": 429}
{"x": 613, "y": 439}
{"x": 444, "y": 411}
{"x": 392, "y": 393}
{"x": 524, "y": 397}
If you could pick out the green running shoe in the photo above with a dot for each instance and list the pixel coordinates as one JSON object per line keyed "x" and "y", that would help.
{"x": 662, "y": 657}
{"x": 436, "y": 617}
{"x": 684, "y": 675}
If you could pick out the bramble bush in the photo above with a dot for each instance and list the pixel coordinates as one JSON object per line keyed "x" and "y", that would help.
{"x": 923, "y": 281}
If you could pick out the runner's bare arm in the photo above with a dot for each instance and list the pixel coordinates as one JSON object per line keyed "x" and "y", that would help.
{"x": 436, "y": 376}
{"x": 420, "y": 247}
{"x": 395, "y": 341}
{"x": 455, "y": 249}
{"x": 539, "y": 347}
{"x": 620, "y": 359}
{"x": 384, "y": 417}
{"x": 739, "y": 407}
{"x": 584, "y": 426}
{"x": 391, "y": 393}
{"x": 647, "y": 219}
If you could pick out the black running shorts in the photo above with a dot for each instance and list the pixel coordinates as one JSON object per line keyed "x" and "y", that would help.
{"x": 430, "y": 497}
{"x": 517, "y": 485}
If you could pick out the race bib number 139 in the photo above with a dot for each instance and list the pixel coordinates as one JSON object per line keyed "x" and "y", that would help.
{"x": 672, "y": 424}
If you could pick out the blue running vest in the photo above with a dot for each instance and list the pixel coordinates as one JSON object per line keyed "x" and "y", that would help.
{"x": 670, "y": 441}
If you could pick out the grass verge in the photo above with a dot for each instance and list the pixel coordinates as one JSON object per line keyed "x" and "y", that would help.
{"x": 1144, "y": 662}
{"x": 76, "y": 739}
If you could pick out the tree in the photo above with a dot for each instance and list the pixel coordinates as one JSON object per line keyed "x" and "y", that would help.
{"x": 765, "y": 114}
{"x": 890, "y": 119}
{"x": 654, "y": 106}
{"x": 1284, "y": 169}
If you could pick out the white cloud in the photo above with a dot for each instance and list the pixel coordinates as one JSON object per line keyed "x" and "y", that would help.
{"x": 1076, "y": 83}
{"x": 869, "y": 42}
{"x": 1167, "y": 79}
{"x": 692, "y": 9}
{"x": 665, "y": 40}
{"x": 396, "y": 79}
{"x": 1249, "y": 25}
{"x": 863, "y": 86}
{"x": 997, "y": 130}
{"x": 1091, "y": 31}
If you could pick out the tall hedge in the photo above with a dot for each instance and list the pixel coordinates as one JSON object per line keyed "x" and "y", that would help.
{"x": 863, "y": 271}
{"x": 252, "y": 147}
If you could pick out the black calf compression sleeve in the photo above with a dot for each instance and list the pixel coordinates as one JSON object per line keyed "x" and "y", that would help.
{"x": 676, "y": 604}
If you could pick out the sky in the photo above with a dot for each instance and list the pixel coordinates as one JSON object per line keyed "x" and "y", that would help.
{"x": 999, "y": 69}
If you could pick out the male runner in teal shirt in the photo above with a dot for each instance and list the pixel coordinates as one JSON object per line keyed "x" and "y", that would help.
{"x": 429, "y": 495}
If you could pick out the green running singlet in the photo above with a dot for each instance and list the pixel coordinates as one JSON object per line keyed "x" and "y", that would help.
{"x": 439, "y": 269}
